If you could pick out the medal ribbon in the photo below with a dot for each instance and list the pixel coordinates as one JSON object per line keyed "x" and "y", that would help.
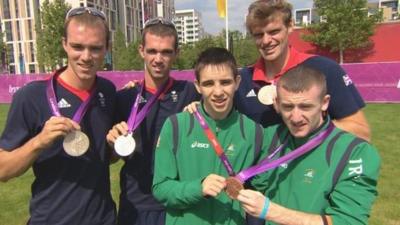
{"x": 136, "y": 118}
{"x": 265, "y": 164}
{"x": 52, "y": 100}
{"x": 214, "y": 142}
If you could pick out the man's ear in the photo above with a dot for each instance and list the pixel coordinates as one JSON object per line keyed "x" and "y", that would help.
{"x": 64, "y": 43}
{"x": 276, "y": 104}
{"x": 238, "y": 79}
{"x": 141, "y": 50}
{"x": 325, "y": 102}
{"x": 291, "y": 27}
{"x": 197, "y": 85}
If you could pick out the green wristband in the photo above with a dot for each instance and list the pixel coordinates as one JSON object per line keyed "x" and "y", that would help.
{"x": 264, "y": 211}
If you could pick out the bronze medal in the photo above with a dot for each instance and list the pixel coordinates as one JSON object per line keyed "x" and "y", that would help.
{"x": 233, "y": 186}
{"x": 76, "y": 143}
{"x": 267, "y": 94}
{"x": 125, "y": 145}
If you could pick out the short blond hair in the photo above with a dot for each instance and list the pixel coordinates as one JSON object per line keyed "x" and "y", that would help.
{"x": 262, "y": 12}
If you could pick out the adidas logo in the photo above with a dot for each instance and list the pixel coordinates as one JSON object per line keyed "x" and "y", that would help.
{"x": 251, "y": 93}
{"x": 63, "y": 104}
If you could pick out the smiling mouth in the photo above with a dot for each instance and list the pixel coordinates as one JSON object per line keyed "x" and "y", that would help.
{"x": 269, "y": 49}
{"x": 219, "y": 101}
{"x": 85, "y": 67}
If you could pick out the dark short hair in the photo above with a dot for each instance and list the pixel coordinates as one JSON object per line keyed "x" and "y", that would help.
{"x": 160, "y": 27}
{"x": 261, "y": 12}
{"x": 87, "y": 18}
{"x": 302, "y": 78}
{"x": 217, "y": 57}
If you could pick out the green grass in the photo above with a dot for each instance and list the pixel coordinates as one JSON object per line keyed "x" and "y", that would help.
{"x": 384, "y": 121}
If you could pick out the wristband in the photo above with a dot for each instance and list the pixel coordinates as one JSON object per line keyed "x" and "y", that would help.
{"x": 264, "y": 211}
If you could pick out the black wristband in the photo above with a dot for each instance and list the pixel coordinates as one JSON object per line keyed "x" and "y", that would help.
{"x": 324, "y": 220}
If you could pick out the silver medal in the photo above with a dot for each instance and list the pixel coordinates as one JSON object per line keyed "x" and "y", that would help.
{"x": 267, "y": 94}
{"x": 76, "y": 143}
{"x": 125, "y": 145}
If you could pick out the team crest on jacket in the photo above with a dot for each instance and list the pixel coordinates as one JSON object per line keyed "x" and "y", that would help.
{"x": 347, "y": 80}
{"x": 102, "y": 99}
{"x": 174, "y": 96}
{"x": 230, "y": 150}
{"x": 142, "y": 100}
{"x": 309, "y": 175}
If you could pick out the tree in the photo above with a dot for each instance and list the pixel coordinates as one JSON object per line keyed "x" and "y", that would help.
{"x": 189, "y": 52}
{"x": 120, "y": 51}
{"x": 135, "y": 59}
{"x": 345, "y": 25}
{"x": 3, "y": 54}
{"x": 2, "y": 43}
{"x": 49, "y": 33}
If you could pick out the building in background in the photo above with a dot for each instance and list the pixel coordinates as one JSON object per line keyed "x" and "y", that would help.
{"x": 189, "y": 26}
{"x": 18, "y": 24}
{"x": 391, "y": 9}
{"x": 305, "y": 16}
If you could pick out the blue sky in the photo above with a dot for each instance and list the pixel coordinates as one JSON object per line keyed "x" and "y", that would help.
{"x": 237, "y": 11}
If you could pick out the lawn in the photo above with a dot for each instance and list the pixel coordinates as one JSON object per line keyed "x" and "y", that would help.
{"x": 383, "y": 118}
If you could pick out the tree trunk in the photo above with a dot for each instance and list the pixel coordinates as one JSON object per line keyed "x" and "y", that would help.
{"x": 341, "y": 56}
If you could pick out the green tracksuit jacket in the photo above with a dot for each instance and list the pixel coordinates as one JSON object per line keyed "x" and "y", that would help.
{"x": 307, "y": 184}
{"x": 178, "y": 176}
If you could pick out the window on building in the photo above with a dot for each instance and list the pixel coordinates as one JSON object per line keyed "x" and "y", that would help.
{"x": 18, "y": 30}
{"x": 6, "y": 9}
{"x": 129, "y": 15}
{"x": 30, "y": 35}
{"x": 12, "y": 69}
{"x": 16, "y": 9}
{"x": 32, "y": 68}
{"x": 9, "y": 34}
{"x": 10, "y": 48}
{"x": 128, "y": 34}
{"x": 28, "y": 8}
{"x": 32, "y": 49}
{"x": 112, "y": 20}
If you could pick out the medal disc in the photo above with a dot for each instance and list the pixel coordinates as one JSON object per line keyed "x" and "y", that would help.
{"x": 267, "y": 94}
{"x": 76, "y": 143}
{"x": 125, "y": 145}
{"x": 233, "y": 186}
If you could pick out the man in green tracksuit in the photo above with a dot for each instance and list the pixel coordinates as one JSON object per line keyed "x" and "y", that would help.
{"x": 333, "y": 183}
{"x": 189, "y": 177}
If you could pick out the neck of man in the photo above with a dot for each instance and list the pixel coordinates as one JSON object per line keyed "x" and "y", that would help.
{"x": 154, "y": 83}
{"x": 272, "y": 68}
{"x": 216, "y": 115}
{"x": 72, "y": 79}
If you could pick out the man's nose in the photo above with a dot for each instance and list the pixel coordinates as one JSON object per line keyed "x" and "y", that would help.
{"x": 158, "y": 57}
{"x": 296, "y": 115}
{"x": 86, "y": 54}
{"x": 218, "y": 90}
{"x": 266, "y": 39}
